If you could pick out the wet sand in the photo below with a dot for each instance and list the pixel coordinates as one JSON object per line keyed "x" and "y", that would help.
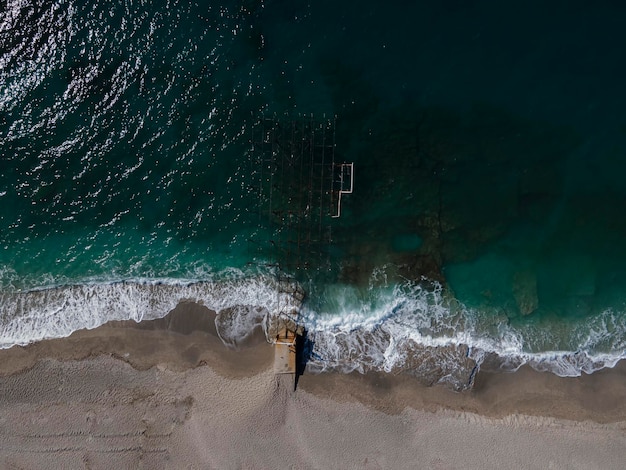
{"x": 169, "y": 394}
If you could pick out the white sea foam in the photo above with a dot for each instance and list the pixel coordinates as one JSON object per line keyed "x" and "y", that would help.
{"x": 410, "y": 324}
{"x": 57, "y": 312}
{"x": 406, "y": 327}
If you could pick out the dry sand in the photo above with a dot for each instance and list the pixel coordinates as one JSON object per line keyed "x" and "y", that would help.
{"x": 168, "y": 394}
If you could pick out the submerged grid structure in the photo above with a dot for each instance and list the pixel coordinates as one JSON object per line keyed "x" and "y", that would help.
{"x": 299, "y": 195}
{"x": 300, "y": 188}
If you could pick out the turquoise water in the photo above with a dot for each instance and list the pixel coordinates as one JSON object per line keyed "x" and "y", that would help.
{"x": 486, "y": 225}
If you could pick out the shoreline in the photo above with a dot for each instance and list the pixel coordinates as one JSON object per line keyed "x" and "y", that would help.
{"x": 177, "y": 370}
{"x": 186, "y": 338}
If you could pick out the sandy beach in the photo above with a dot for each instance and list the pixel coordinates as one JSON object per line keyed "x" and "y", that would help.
{"x": 169, "y": 394}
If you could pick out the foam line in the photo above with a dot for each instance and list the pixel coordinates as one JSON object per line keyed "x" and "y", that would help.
{"x": 401, "y": 328}
{"x": 408, "y": 324}
{"x": 57, "y": 312}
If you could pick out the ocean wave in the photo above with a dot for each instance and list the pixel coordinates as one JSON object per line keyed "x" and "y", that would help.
{"x": 406, "y": 328}
{"x": 421, "y": 330}
{"x": 56, "y": 312}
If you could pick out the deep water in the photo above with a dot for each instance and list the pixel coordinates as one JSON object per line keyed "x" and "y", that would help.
{"x": 486, "y": 224}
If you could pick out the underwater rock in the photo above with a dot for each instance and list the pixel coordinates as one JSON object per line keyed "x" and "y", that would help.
{"x": 421, "y": 266}
{"x": 451, "y": 366}
{"x": 525, "y": 291}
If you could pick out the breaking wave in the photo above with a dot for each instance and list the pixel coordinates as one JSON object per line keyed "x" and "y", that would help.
{"x": 57, "y": 312}
{"x": 408, "y": 328}
{"x": 422, "y": 331}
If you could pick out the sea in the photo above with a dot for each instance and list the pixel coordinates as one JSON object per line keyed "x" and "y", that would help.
{"x": 486, "y": 228}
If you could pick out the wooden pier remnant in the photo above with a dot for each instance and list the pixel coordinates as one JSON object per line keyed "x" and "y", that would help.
{"x": 285, "y": 352}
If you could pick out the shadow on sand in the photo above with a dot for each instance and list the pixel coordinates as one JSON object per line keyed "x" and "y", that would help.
{"x": 304, "y": 349}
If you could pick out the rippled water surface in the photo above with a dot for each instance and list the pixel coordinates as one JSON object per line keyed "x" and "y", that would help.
{"x": 486, "y": 225}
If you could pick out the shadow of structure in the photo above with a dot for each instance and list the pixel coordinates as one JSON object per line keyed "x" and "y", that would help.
{"x": 304, "y": 350}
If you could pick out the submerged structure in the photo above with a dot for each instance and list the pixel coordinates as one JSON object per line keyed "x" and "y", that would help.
{"x": 300, "y": 189}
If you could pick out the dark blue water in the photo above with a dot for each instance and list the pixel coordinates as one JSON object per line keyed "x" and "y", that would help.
{"x": 486, "y": 225}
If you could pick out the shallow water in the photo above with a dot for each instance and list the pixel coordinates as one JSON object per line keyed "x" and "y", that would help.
{"x": 488, "y": 139}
